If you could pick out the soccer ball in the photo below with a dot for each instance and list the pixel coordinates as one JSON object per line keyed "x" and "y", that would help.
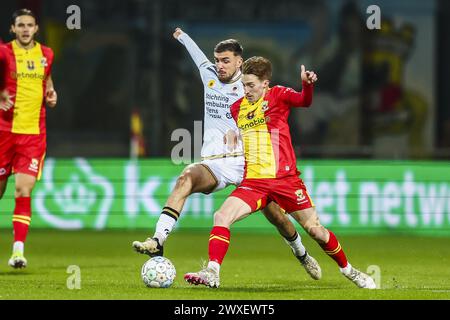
{"x": 158, "y": 272}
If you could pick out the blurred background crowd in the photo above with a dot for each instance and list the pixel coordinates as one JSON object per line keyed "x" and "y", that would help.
{"x": 382, "y": 94}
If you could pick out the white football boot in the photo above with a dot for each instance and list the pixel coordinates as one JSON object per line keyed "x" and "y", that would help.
{"x": 206, "y": 276}
{"x": 17, "y": 261}
{"x": 359, "y": 278}
{"x": 150, "y": 247}
{"x": 311, "y": 266}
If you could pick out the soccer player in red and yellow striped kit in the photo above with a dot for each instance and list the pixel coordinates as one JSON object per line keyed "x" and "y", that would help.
{"x": 270, "y": 171}
{"x": 26, "y": 87}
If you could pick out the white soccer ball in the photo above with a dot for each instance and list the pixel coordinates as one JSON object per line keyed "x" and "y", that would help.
{"x": 158, "y": 272}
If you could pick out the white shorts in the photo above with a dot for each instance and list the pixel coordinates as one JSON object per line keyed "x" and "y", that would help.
{"x": 227, "y": 171}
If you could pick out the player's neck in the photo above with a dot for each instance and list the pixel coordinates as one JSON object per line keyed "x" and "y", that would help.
{"x": 26, "y": 47}
{"x": 236, "y": 76}
{"x": 264, "y": 93}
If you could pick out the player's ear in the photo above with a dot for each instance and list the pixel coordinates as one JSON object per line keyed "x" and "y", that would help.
{"x": 266, "y": 83}
{"x": 240, "y": 62}
{"x": 36, "y": 29}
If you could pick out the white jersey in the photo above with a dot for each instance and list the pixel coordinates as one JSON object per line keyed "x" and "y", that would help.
{"x": 220, "y": 137}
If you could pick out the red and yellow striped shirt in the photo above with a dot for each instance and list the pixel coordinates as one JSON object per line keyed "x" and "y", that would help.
{"x": 265, "y": 131}
{"x": 26, "y": 77}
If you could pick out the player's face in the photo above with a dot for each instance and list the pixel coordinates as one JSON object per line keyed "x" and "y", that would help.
{"x": 254, "y": 88}
{"x": 25, "y": 28}
{"x": 227, "y": 65}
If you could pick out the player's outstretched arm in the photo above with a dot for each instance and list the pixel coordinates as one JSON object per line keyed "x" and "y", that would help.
{"x": 51, "y": 97}
{"x": 196, "y": 53}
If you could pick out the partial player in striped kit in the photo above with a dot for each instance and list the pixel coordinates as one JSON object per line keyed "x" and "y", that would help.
{"x": 222, "y": 151}
{"x": 271, "y": 172}
{"x": 27, "y": 88}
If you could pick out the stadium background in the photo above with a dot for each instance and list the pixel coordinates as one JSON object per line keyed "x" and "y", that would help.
{"x": 374, "y": 149}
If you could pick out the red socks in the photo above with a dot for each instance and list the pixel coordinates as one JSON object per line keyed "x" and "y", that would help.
{"x": 21, "y": 219}
{"x": 334, "y": 250}
{"x": 219, "y": 241}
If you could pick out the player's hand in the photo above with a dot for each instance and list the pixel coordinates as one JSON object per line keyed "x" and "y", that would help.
{"x": 231, "y": 140}
{"x": 5, "y": 101}
{"x": 308, "y": 76}
{"x": 51, "y": 98}
{"x": 178, "y": 32}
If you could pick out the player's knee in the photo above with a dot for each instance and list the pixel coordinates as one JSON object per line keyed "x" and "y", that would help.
{"x": 222, "y": 219}
{"x": 185, "y": 182}
{"x": 23, "y": 191}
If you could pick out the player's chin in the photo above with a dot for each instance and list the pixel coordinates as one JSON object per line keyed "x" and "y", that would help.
{"x": 224, "y": 78}
{"x": 25, "y": 41}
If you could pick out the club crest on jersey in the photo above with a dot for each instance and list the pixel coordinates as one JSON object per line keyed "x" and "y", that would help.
{"x": 211, "y": 84}
{"x": 34, "y": 165}
{"x": 265, "y": 106}
{"x": 300, "y": 195}
{"x": 30, "y": 65}
{"x": 44, "y": 62}
{"x": 251, "y": 115}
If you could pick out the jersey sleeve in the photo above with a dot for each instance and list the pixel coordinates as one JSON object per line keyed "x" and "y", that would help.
{"x": 206, "y": 68}
{"x": 298, "y": 99}
{"x": 234, "y": 109}
{"x": 50, "y": 56}
{"x": 2, "y": 69}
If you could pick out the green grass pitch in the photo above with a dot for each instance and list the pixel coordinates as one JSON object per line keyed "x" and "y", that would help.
{"x": 257, "y": 267}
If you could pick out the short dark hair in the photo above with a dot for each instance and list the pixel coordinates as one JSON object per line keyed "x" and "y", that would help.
{"x": 258, "y": 66}
{"x": 22, "y": 12}
{"x": 229, "y": 45}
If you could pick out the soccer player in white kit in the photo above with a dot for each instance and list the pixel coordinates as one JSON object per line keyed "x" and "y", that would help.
{"x": 222, "y": 151}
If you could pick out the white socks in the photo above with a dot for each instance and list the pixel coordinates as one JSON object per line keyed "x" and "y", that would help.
{"x": 164, "y": 227}
{"x": 297, "y": 246}
{"x": 347, "y": 269}
{"x": 18, "y": 246}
